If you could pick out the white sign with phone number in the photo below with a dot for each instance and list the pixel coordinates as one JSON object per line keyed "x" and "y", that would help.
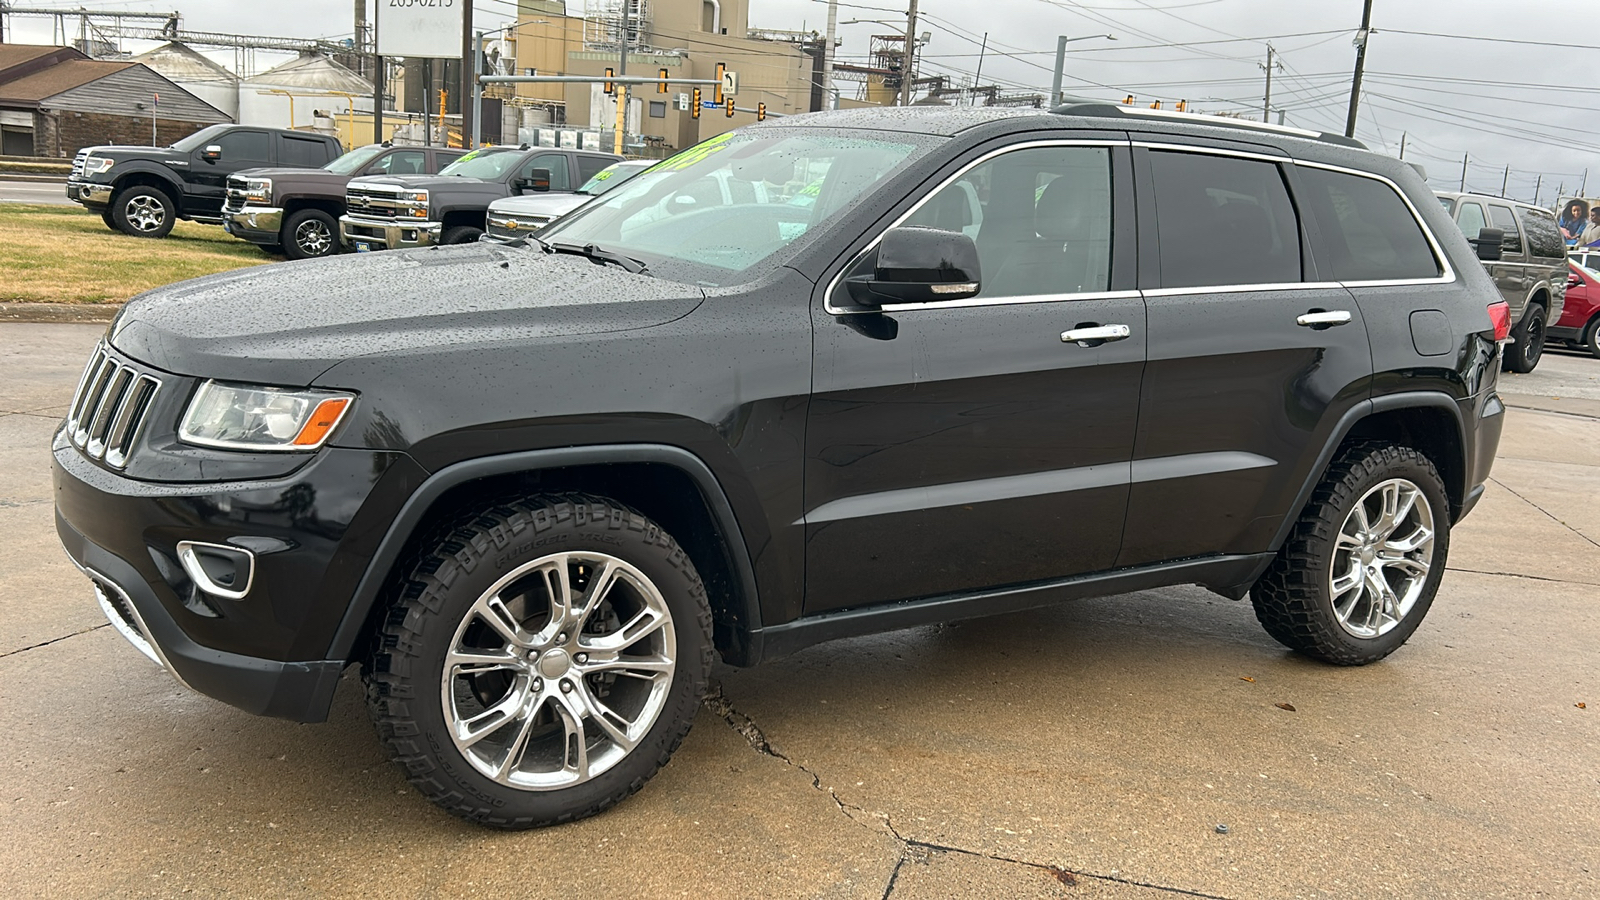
{"x": 431, "y": 28}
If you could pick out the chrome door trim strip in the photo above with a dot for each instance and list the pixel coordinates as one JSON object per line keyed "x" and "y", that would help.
{"x": 1032, "y": 484}
{"x": 1242, "y": 288}
{"x": 1215, "y": 151}
{"x": 833, "y": 284}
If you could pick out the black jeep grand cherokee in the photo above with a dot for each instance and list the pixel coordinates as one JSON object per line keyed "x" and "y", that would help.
{"x": 842, "y": 373}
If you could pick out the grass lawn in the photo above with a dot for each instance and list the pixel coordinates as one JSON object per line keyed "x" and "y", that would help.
{"x": 65, "y": 254}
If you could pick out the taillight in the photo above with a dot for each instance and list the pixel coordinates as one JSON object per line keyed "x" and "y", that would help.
{"x": 1500, "y": 315}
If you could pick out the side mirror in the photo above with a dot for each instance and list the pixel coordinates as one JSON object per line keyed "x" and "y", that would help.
{"x": 1490, "y": 244}
{"x": 919, "y": 265}
{"x": 1574, "y": 281}
{"x": 211, "y": 153}
{"x": 538, "y": 181}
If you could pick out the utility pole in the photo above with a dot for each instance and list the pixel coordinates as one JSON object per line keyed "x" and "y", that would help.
{"x": 361, "y": 39}
{"x": 622, "y": 69}
{"x": 1584, "y": 188}
{"x": 379, "y": 70}
{"x": 1505, "y": 180}
{"x": 1266, "y": 98}
{"x": 477, "y": 94}
{"x": 906, "y": 67}
{"x": 1403, "y": 145}
{"x": 983, "y": 49}
{"x": 1282, "y": 115}
{"x": 1463, "y": 173}
{"x": 1061, "y": 65}
{"x": 1361, "y": 63}
{"x": 469, "y": 79}
{"x": 1538, "y": 185}
{"x": 832, "y": 98}
{"x": 427, "y": 88}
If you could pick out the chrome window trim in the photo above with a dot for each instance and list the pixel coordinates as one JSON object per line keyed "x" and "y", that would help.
{"x": 1447, "y": 272}
{"x": 833, "y": 284}
{"x": 1243, "y": 288}
{"x": 1214, "y": 151}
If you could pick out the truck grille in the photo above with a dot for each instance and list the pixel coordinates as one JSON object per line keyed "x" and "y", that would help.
{"x": 372, "y": 202}
{"x": 77, "y": 163}
{"x": 236, "y": 192}
{"x": 110, "y": 408}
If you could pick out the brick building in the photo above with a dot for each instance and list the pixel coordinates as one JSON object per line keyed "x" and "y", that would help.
{"x": 55, "y": 100}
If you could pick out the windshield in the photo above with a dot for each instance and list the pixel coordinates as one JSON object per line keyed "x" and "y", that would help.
{"x": 612, "y": 176}
{"x": 354, "y": 161}
{"x": 489, "y": 163}
{"x": 201, "y": 138}
{"x": 722, "y": 212}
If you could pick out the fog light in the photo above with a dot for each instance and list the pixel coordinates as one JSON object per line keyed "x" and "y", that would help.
{"x": 218, "y": 569}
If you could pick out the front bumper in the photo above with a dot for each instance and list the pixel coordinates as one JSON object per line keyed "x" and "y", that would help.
{"x": 89, "y": 193}
{"x": 256, "y": 224}
{"x": 310, "y": 536}
{"x": 361, "y": 234}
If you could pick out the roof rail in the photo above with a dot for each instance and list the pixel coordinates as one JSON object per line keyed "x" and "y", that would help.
{"x": 1103, "y": 109}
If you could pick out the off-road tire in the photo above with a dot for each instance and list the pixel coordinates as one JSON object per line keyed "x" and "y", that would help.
{"x": 293, "y": 245}
{"x": 461, "y": 234}
{"x": 1293, "y": 599}
{"x": 464, "y": 558}
{"x": 1527, "y": 341}
{"x": 155, "y": 197}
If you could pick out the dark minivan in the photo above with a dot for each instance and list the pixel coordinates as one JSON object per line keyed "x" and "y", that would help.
{"x": 923, "y": 365}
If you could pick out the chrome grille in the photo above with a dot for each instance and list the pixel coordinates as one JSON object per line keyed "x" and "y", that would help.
{"x": 109, "y": 409}
{"x": 77, "y": 163}
{"x": 372, "y": 202}
{"x": 236, "y": 192}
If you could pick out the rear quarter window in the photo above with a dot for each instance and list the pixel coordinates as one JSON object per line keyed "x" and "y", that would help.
{"x": 1544, "y": 238}
{"x": 1368, "y": 231}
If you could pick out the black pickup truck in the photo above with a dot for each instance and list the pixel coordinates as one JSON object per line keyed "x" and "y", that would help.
{"x": 143, "y": 191}
{"x": 395, "y": 212}
{"x": 296, "y": 211}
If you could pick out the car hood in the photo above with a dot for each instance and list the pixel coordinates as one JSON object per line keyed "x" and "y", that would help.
{"x": 288, "y": 323}
{"x": 539, "y": 204}
{"x": 123, "y": 151}
{"x": 298, "y": 174}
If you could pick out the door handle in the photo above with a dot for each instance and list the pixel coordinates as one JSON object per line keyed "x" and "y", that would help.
{"x": 1095, "y": 335}
{"x": 1324, "y": 318}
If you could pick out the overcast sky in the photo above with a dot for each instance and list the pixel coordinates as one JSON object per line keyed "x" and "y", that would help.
{"x": 1503, "y": 102}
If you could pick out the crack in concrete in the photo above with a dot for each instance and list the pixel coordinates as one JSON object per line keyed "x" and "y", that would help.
{"x": 1545, "y": 511}
{"x": 1521, "y": 575}
{"x": 54, "y": 640}
{"x": 912, "y": 849}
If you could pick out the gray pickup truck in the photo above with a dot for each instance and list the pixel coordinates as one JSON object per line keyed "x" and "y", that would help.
{"x": 1531, "y": 272}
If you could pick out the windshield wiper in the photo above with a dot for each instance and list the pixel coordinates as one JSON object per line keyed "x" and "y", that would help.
{"x": 601, "y": 255}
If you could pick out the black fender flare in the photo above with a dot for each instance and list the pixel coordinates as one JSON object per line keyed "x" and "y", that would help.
{"x": 422, "y": 499}
{"x": 1347, "y": 422}
{"x": 170, "y": 184}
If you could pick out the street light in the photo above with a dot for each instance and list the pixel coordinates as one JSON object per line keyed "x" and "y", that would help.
{"x": 1061, "y": 62}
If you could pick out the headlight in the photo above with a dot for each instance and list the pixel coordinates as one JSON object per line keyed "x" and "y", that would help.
{"x": 414, "y": 196}
{"x": 96, "y": 165}
{"x": 243, "y": 417}
{"x": 258, "y": 189}
{"x": 415, "y": 203}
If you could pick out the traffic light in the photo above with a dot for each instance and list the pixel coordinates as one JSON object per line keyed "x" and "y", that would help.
{"x": 1156, "y": 105}
{"x": 694, "y": 111}
{"x": 761, "y": 112}
{"x": 1183, "y": 106}
{"x": 721, "y": 69}
{"x": 728, "y": 104}
{"x": 662, "y": 87}
{"x": 611, "y": 86}
{"x": 1128, "y": 100}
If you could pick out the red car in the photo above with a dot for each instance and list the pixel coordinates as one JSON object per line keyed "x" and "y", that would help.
{"x": 1580, "y": 316}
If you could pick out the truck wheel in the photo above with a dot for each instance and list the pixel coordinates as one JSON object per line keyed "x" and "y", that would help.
{"x": 1363, "y": 563}
{"x": 1527, "y": 342}
{"x": 461, "y": 234}
{"x": 310, "y": 233}
{"x": 108, "y": 216}
{"x": 1591, "y": 337}
{"x": 541, "y": 661}
{"x": 143, "y": 211}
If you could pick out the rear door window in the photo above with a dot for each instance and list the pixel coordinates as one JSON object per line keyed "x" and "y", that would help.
{"x": 590, "y": 166}
{"x": 302, "y": 153}
{"x": 1504, "y": 219}
{"x": 1368, "y": 231}
{"x": 1221, "y": 220}
{"x": 247, "y": 146}
{"x": 556, "y": 163}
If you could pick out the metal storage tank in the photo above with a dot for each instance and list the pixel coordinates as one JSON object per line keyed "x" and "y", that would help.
{"x": 316, "y": 83}
{"x": 197, "y": 74}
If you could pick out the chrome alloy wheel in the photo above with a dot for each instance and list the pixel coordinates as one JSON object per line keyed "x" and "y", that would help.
{"x": 558, "y": 670}
{"x": 313, "y": 237}
{"x": 1381, "y": 558}
{"x": 145, "y": 213}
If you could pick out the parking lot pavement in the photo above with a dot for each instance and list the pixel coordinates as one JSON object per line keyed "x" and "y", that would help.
{"x": 1086, "y": 750}
{"x": 42, "y": 193}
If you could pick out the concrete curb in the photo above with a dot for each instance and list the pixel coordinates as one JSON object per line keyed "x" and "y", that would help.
{"x": 41, "y": 177}
{"x": 82, "y": 313}
{"x": 1570, "y": 406}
